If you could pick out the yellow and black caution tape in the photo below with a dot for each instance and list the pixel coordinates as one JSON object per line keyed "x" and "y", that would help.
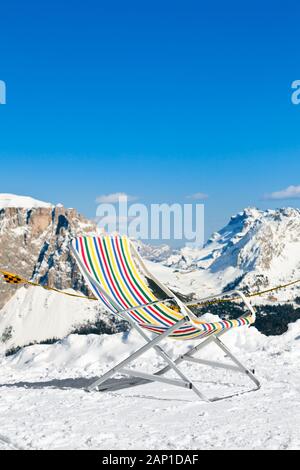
{"x": 14, "y": 279}
{"x": 253, "y": 294}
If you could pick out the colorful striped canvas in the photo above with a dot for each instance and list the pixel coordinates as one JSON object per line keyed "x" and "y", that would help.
{"x": 108, "y": 262}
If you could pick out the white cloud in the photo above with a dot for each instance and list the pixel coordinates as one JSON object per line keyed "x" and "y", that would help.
{"x": 197, "y": 196}
{"x": 292, "y": 192}
{"x": 115, "y": 198}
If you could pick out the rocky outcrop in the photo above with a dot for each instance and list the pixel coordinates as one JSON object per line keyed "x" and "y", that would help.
{"x": 35, "y": 241}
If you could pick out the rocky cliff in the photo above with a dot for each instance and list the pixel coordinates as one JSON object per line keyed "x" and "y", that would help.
{"x": 34, "y": 242}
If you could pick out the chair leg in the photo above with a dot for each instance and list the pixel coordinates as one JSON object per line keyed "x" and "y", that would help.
{"x": 143, "y": 378}
{"x": 244, "y": 369}
{"x": 214, "y": 339}
{"x": 171, "y": 365}
{"x": 191, "y": 352}
{"x": 150, "y": 344}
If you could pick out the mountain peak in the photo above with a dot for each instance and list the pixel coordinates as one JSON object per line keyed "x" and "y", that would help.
{"x": 21, "y": 202}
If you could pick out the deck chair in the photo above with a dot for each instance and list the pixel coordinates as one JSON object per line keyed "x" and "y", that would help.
{"x": 117, "y": 275}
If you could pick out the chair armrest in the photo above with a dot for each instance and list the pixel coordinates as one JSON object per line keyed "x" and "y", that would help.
{"x": 213, "y": 297}
{"x": 248, "y": 304}
{"x": 236, "y": 292}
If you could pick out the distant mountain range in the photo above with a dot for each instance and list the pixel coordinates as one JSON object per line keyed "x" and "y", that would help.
{"x": 256, "y": 249}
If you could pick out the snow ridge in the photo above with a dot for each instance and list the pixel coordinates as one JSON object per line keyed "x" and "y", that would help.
{"x": 21, "y": 202}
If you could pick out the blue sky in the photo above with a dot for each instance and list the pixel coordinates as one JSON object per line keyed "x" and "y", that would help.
{"x": 159, "y": 99}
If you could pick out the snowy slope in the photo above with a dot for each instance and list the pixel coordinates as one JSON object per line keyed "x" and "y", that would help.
{"x": 256, "y": 249}
{"x": 43, "y": 404}
{"x": 34, "y": 315}
{"x": 263, "y": 244}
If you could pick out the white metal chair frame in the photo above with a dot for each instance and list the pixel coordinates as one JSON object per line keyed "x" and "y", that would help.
{"x": 172, "y": 364}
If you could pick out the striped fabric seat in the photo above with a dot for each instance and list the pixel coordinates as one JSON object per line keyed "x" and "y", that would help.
{"x": 111, "y": 262}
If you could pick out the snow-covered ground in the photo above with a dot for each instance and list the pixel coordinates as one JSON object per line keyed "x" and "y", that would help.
{"x": 43, "y": 404}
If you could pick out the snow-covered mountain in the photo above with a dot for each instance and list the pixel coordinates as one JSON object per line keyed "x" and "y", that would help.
{"x": 256, "y": 249}
{"x": 21, "y": 202}
{"x": 34, "y": 242}
{"x": 37, "y": 315}
{"x": 155, "y": 253}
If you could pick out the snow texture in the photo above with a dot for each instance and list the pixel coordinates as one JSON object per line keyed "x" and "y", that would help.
{"x": 23, "y": 202}
{"x": 43, "y": 404}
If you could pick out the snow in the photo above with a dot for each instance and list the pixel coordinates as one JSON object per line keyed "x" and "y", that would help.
{"x": 22, "y": 202}
{"x": 43, "y": 404}
{"x": 35, "y": 314}
{"x": 256, "y": 249}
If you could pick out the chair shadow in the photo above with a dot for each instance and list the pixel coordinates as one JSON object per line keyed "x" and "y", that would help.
{"x": 78, "y": 383}
{"x": 110, "y": 385}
